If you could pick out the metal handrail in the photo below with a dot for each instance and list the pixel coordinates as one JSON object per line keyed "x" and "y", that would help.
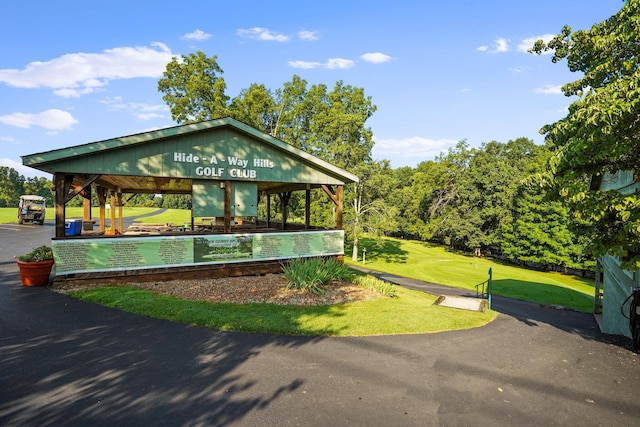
{"x": 483, "y": 293}
{"x": 486, "y": 293}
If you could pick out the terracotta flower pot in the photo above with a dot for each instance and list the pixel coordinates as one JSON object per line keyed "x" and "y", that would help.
{"x": 35, "y": 273}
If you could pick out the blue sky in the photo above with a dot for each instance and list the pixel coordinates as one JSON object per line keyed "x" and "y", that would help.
{"x": 73, "y": 72}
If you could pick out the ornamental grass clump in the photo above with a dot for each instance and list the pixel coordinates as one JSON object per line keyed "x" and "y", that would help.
{"x": 314, "y": 274}
{"x": 382, "y": 287}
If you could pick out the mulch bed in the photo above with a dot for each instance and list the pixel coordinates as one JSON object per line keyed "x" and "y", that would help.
{"x": 270, "y": 288}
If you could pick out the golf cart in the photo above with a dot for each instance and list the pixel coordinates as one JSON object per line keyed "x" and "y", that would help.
{"x": 32, "y": 209}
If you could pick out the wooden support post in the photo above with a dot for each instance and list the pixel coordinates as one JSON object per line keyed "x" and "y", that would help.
{"x": 339, "y": 206}
{"x": 307, "y": 209}
{"x": 120, "y": 223}
{"x": 61, "y": 192}
{"x": 102, "y": 200}
{"x": 112, "y": 220}
{"x": 86, "y": 204}
{"x": 227, "y": 207}
{"x": 337, "y": 197}
{"x": 268, "y": 210}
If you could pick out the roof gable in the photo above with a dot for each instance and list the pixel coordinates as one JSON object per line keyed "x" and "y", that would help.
{"x": 222, "y": 149}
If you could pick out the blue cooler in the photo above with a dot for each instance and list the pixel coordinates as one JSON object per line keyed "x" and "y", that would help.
{"x": 73, "y": 227}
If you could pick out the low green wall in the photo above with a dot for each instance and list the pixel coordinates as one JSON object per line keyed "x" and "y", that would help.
{"x": 84, "y": 255}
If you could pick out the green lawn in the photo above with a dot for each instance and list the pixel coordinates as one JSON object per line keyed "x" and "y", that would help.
{"x": 436, "y": 264}
{"x": 410, "y": 312}
{"x": 9, "y": 215}
{"x": 174, "y": 216}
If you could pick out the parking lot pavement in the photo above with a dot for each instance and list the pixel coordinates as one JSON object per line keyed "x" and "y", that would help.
{"x": 66, "y": 362}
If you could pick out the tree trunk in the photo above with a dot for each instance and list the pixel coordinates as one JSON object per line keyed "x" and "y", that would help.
{"x": 354, "y": 254}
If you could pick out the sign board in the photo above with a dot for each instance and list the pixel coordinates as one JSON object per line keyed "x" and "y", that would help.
{"x": 130, "y": 253}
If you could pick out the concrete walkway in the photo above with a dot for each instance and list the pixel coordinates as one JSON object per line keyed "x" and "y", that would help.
{"x": 65, "y": 362}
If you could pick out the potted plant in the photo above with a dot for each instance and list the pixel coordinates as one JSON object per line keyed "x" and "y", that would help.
{"x": 35, "y": 267}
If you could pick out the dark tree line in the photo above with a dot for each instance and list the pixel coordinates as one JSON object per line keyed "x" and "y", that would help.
{"x": 482, "y": 201}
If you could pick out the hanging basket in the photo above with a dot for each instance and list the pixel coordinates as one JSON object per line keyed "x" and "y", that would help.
{"x": 35, "y": 273}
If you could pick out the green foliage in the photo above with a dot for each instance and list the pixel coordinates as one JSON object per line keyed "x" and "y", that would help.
{"x": 382, "y": 287}
{"x": 193, "y": 88}
{"x": 143, "y": 200}
{"x": 176, "y": 201}
{"x": 11, "y": 186}
{"x": 256, "y": 107}
{"x": 600, "y": 134}
{"x": 370, "y": 211}
{"x": 543, "y": 232}
{"x": 41, "y": 253}
{"x": 474, "y": 199}
{"x": 313, "y": 274}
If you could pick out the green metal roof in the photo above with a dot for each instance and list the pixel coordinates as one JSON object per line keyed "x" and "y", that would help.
{"x": 217, "y": 149}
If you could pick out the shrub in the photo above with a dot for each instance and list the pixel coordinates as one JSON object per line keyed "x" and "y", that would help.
{"x": 41, "y": 253}
{"x": 373, "y": 283}
{"x": 313, "y": 274}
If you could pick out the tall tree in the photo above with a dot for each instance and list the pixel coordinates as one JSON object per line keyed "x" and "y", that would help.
{"x": 296, "y": 110}
{"x": 601, "y": 132}
{"x": 194, "y": 89}
{"x": 255, "y": 107}
{"x": 369, "y": 211}
{"x": 446, "y": 222}
{"x": 540, "y": 232}
{"x": 11, "y": 187}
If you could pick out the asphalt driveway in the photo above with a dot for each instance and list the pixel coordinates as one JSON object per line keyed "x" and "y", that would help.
{"x": 66, "y": 362}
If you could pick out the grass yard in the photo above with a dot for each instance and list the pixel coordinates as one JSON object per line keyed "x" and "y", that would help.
{"x": 410, "y": 312}
{"x": 10, "y": 215}
{"x": 430, "y": 263}
{"x": 174, "y": 216}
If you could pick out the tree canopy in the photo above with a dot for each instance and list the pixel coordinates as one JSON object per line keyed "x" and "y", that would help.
{"x": 600, "y": 134}
{"x": 471, "y": 199}
{"x": 193, "y": 88}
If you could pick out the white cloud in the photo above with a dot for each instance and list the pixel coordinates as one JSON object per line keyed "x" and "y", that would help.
{"x": 501, "y": 45}
{"x": 413, "y": 147}
{"x": 339, "y": 63}
{"x": 550, "y": 90}
{"x": 332, "y": 64}
{"x": 528, "y": 43}
{"x": 375, "y": 57}
{"x": 259, "y": 33}
{"x": 76, "y": 74}
{"x": 141, "y": 111}
{"x": 305, "y": 65}
{"x": 49, "y": 119}
{"x": 308, "y": 35}
{"x": 25, "y": 171}
{"x": 197, "y": 35}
